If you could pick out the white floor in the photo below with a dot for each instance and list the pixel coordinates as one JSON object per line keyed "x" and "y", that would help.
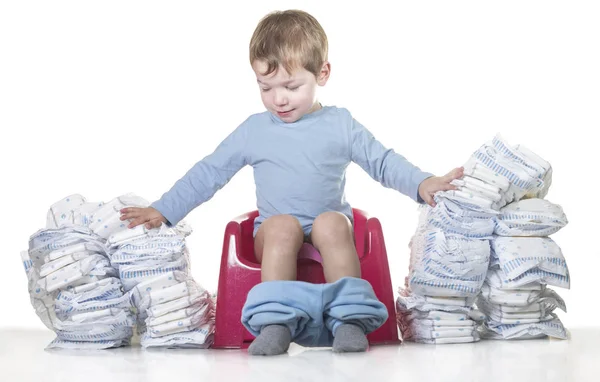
{"x": 23, "y": 358}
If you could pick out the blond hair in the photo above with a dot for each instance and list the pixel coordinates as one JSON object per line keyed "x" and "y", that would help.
{"x": 292, "y": 39}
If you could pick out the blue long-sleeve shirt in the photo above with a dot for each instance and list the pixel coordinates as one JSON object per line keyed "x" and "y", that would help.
{"x": 299, "y": 167}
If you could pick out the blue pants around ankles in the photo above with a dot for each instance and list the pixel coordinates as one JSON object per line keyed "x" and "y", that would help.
{"x": 313, "y": 312}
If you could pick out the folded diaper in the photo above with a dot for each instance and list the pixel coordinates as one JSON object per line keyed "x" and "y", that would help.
{"x": 551, "y": 328}
{"x": 529, "y": 160}
{"x": 409, "y": 301}
{"x": 71, "y": 274}
{"x": 530, "y": 217}
{"x": 447, "y": 264}
{"x": 517, "y": 255}
{"x": 198, "y": 338}
{"x": 450, "y": 217}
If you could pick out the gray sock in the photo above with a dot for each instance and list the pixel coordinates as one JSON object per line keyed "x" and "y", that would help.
{"x": 350, "y": 338}
{"x": 272, "y": 340}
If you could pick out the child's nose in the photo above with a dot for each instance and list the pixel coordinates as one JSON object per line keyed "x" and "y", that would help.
{"x": 280, "y": 99}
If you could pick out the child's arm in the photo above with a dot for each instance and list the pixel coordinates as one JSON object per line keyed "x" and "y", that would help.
{"x": 198, "y": 185}
{"x": 393, "y": 170}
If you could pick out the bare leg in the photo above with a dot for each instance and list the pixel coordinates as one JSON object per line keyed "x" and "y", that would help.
{"x": 276, "y": 247}
{"x": 332, "y": 237}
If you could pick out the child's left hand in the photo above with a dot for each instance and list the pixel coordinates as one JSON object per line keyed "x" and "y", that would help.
{"x": 430, "y": 186}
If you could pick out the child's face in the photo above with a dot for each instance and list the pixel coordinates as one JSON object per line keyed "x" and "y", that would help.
{"x": 289, "y": 96}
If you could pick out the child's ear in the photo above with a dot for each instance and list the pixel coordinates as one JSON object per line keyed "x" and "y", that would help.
{"x": 324, "y": 74}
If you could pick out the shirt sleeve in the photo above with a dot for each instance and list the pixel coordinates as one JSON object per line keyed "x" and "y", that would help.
{"x": 205, "y": 178}
{"x": 384, "y": 165}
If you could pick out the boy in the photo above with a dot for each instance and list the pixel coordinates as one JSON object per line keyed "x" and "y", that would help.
{"x": 299, "y": 151}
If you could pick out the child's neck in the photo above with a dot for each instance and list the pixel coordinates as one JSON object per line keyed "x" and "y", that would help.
{"x": 317, "y": 106}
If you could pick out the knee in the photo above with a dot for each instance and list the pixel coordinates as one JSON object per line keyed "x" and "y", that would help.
{"x": 331, "y": 226}
{"x": 284, "y": 227}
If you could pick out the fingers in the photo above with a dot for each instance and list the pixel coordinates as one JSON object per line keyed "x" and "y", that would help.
{"x": 457, "y": 173}
{"x": 154, "y": 223}
{"x": 429, "y": 200}
{"x": 130, "y": 213}
{"x": 138, "y": 216}
{"x": 136, "y": 222}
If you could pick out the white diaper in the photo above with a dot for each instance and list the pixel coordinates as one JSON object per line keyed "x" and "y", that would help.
{"x": 72, "y": 273}
{"x": 530, "y": 279}
{"x": 474, "y": 191}
{"x": 449, "y": 340}
{"x": 66, "y": 309}
{"x": 61, "y": 213}
{"x": 105, "y": 221}
{"x": 98, "y": 328}
{"x": 88, "y": 247}
{"x": 87, "y": 345}
{"x": 435, "y": 315}
{"x": 192, "y": 311}
{"x": 520, "y": 254}
{"x": 553, "y": 328}
{"x": 530, "y": 217}
{"x": 197, "y": 319}
{"x": 140, "y": 294}
{"x": 180, "y": 303}
{"x": 131, "y": 275}
{"x": 447, "y": 265}
{"x": 409, "y": 301}
{"x": 536, "y": 310}
{"x": 531, "y": 161}
{"x": 428, "y": 333}
{"x": 104, "y": 289}
{"x": 512, "y": 298}
{"x": 476, "y": 170}
{"x": 450, "y": 217}
{"x": 200, "y": 338}
{"x": 62, "y": 262}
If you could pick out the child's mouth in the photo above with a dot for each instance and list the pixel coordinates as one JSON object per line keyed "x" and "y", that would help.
{"x": 284, "y": 113}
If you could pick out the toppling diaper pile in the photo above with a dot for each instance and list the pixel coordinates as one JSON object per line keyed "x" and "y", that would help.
{"x": 450, "y": 251}
{"x": 515, "y": 297}
{"x": 73, "y": 288}
{"x": 82, "y": 270}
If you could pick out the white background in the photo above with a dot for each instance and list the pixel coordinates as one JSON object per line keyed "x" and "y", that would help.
{"x": 105, "y": 98}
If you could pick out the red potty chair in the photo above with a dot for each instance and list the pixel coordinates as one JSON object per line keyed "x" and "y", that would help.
{"x": 240, "y": 272}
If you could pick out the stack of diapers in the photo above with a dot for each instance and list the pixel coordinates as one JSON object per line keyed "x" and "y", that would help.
{"x": 498, "y": 174}
{"x": 449, "y": 258}
{"x": 436, "y": 320}
{"x": 453, "y": 245}
{"x": 83, "y": 268}
{"x": 172, "y": 309}
{"x": 445, "y": 262}
{"x": 75, "y": 291}
{"x": 515, "y": 297}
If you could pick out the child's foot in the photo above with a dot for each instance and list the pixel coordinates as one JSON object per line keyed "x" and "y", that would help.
{"x": 350, "y": 338}
{"x": 272, "y": 340}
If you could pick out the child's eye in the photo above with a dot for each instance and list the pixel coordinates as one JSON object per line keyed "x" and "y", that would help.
{"x": 264, "y": 90}
{"x": 293, "y": 88}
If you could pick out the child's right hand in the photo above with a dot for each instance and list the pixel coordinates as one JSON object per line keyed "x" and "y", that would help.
{"x": 149, "y": 216}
